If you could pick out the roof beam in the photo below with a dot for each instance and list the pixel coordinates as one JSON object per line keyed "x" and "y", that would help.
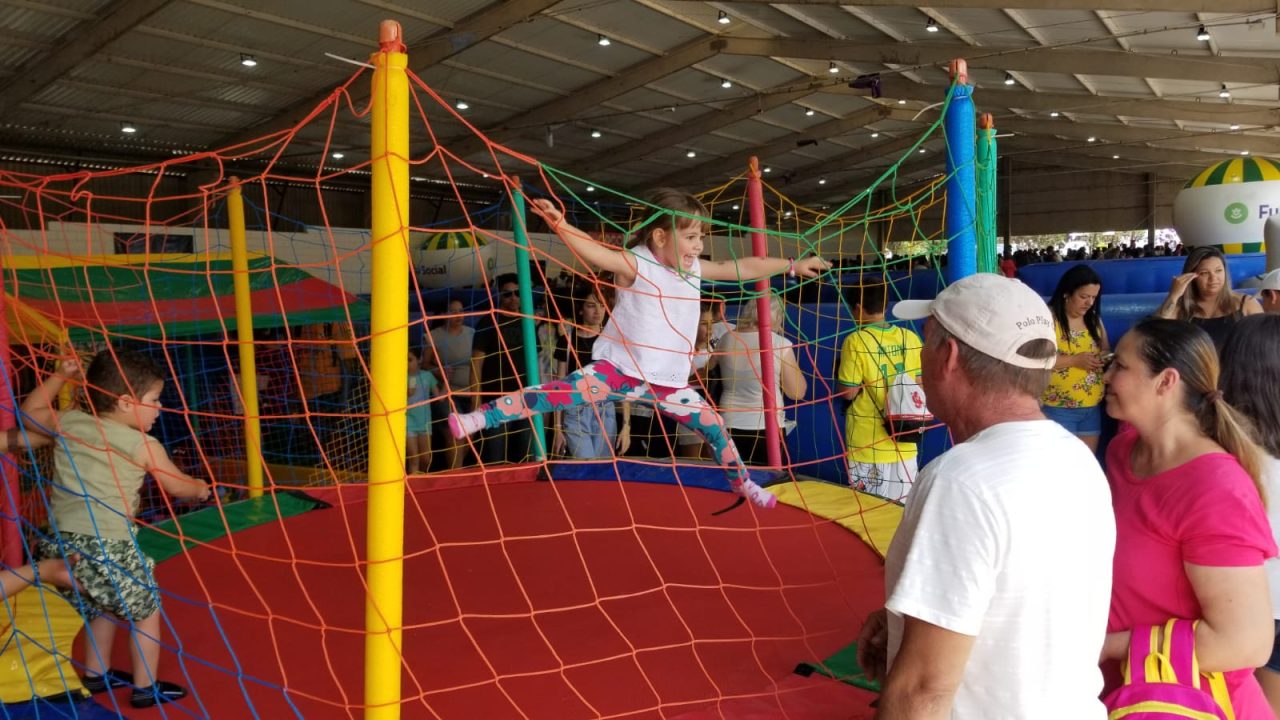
{"x": 1155, "y": 108}
{"x": 578, "y": 101}
{"x": 1213, "y": 6}
{"x": 1258, "y": 70}
{"x": 702, "y": 125}
{"x": 1111, "y": 134}
{"x": 736, "y": 162}
{"x": 434, "y": 49}
{"x": 83, "y": 42}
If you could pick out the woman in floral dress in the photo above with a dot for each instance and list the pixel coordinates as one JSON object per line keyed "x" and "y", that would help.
{"x": 1074, "y": 396}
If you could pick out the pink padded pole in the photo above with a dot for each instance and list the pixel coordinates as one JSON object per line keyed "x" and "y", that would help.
{"x": 768, "y": 373}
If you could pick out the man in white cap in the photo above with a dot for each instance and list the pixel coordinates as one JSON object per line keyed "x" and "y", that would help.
{"x": 1269, "y": 292}
{"x": 998, "y": 580}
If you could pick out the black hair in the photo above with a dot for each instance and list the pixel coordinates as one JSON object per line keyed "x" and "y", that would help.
{"x": 1072, "y": 280}
{"x": 113, "y": 373}
{"x": 871, "y": 292}
{"x": 507, "y": 278}
{"x": 1251, "y": 376}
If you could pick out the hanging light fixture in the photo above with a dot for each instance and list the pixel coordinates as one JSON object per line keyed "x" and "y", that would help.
{"x": 596, "y": 134}
{"x": 723, "y": 18}
{"x": 462, "y": 104}
{"x": 931, "y": 26}
{"x": 808, "y": 112}
{"x": 248, "y": 60}
{"x": 726, "y": 83}
{"x": 603, "y": 41}
{"x": 128, "y": 128}
{"x": 831, "y": 68}
{"x": 1008, "y": 79}
{"x": 1202, "y": 34}
{"x": 1224, "y": 92}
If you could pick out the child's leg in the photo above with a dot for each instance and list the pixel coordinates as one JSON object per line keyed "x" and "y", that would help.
{"x": 144, "y": 649}
{"x": 597, "y": 381}
{"x": 413, "y": 453}
{"x": 102, "y": 633}
{"x": 693, "y": 412}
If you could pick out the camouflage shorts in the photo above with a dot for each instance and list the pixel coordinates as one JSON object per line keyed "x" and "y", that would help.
{"x": 115, "y": 576}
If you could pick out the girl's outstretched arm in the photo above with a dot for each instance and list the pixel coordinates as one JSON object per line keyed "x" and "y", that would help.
{"x": 584, "y": 246}
{"x": 754, "y": 268}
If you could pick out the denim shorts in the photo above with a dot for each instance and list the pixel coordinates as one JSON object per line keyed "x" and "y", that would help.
{"x": 1077, "y": 421}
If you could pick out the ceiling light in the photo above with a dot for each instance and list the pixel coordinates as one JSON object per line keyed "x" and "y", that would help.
{"x": 591, "y": 188}
{"x": 931, "y": 26}
{"x": 1244, "y": 152}
{"x": 726, "y": 83}
{"x": 1224, "y": 92}
{"x": 337, "y": 156}
{"x": 128, "y": 128}
{"x": 596, "y": 133}
{"x": 831, "y": 68}
{"x": 723, "y": 18}
{"x": 248, "y": 60}
{"x": 1008, "y": 79}
{"x": 1091, "y": 139}
{"x": 1202, "y": 34}
{"x": 768, "y": 170}
{"x": 737, "y": 207}
{"x": 786, "y": 214}
{"x": 808, "y": 112}
{"x": 603, "y": 41}
{"x": 1234, "y": 126}
{"x": 923, "y": 151}
{"x": 462, "y": 105}
{"x": 1115, "y": 157}
{"x": 875, "y": 135}
{"x": 691, "y": 154}
{"x": 1054, "y": 113}
{"x": 822, "y": 181}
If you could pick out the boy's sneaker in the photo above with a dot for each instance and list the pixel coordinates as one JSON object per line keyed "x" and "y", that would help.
{"x": 465, "y": 424}
{"x": 161, "y": 692}
{"x": 757, "y": 494}
{"x": 113, "y": 678}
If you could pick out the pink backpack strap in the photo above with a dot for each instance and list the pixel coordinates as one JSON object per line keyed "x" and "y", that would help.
{"x": 1179, "y": 647}
{"x": 1143, "y": 639}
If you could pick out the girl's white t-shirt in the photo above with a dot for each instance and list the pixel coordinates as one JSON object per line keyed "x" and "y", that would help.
{"x": 654, "y": 323}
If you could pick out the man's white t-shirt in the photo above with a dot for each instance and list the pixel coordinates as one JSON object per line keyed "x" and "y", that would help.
{"x": 1009, "y": 537}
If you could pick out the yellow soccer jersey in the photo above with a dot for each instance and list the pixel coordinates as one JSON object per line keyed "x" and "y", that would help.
{"x": 867, "y": 359}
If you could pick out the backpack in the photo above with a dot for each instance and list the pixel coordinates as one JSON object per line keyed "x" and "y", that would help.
{"x": 1162, "y": 680}
{"x": 906, "y": 410}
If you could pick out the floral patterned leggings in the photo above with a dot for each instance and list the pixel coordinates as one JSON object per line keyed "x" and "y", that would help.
{"x": 600, "y": 380}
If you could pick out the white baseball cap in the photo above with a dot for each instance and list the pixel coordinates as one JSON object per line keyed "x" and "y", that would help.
{"x": 1270, "y": 281}
{"x": 993, "y": 314}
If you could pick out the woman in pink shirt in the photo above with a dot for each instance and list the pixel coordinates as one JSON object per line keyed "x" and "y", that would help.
{"x": 1191, "y": 529}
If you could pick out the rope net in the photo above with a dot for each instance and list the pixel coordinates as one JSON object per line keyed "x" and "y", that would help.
{"x": 614, "y": 590}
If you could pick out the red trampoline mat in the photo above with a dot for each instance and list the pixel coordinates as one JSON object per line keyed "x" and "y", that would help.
{"x": 530, "y": 600}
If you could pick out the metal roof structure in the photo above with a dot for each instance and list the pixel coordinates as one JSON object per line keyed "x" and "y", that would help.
{"x": 682, "y": 94}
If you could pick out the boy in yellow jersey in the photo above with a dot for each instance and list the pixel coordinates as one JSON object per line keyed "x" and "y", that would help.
{"x": 869, "y": 359}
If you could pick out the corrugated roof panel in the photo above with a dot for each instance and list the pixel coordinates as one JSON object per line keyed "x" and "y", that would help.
{"x": 983, "y": 26}
{"x": 1120, "y": 86}
{"x": 36, "y": 25}
{"x": 200, "y": 21}
{"x": 450, "y": 84}
{"x": 14, "y": 57}
{"x": 754, "y": 72}
{"x": 641, "y": 24}
{"x": 517, "y": 67}
{"x": 1062, "y": 26}
{"x": 578, "y": 47}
